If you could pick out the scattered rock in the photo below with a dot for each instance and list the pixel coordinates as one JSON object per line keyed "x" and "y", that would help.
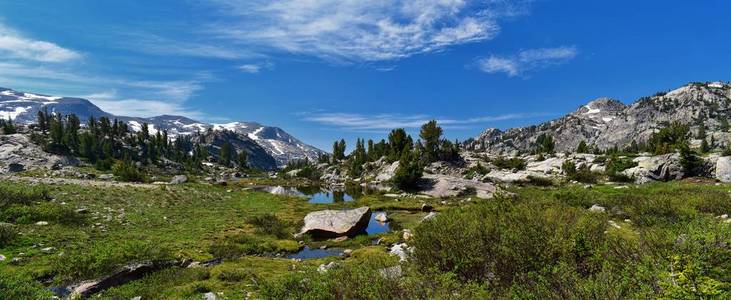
{"x": 137, "y": 298}
{"x": 48, "y": 249}
{"x": 179, "y": 179}
{"x": 597, "y": 208}
{"x": 41, "y": 223}
{"x": 347, "y": 252}
{"x": 381, "y": 217}
{"x": 407, "y": 234}
{"x": 400, "y": 250}
{"x": 429, "y": 216}
{"x": 2, "y": 257}
{"x": 210, "y": 296}
{"x": 323, "y": 268}
{"x": 391, "y": 273}
{"x": 335, "y": 223}
{"x": 82, "y": 210}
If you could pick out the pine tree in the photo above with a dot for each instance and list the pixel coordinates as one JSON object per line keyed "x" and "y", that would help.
{"x": 431, "y": 134}
{"x": 582, "y": 148}
{"x": 242, "y": 160}
{"x": 225, "y": 154}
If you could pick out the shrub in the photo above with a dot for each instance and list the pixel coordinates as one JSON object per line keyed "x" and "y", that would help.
{"x": 478, "y": 169}
{"x": 581, "y": 174}
{"x": 14, "y": 287}
{"x": 46, "y": 211}
{"x": 12, "y": 194}
{"x": 126, "y": 170}
{"x": 616, "y": 165}
{"x": 8, "y": 232}
{"x": 509, "y": 163}
{"x": 270, "y": 224}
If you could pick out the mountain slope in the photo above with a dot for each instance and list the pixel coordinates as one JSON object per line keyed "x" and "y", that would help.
{"x": 282, "y": 147}
{"x": 607, "y": 123}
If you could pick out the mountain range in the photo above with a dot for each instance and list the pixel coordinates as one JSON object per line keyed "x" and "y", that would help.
{"x": 607, "y": 123}
{"x": 23, "y": 107}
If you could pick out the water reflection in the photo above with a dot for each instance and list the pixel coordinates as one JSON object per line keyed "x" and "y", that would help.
{"x": 308, "y": 253}
{"x": 318, "y": 195}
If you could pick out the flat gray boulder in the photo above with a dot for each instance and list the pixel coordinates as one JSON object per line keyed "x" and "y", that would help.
{"x": 335, "y": 223}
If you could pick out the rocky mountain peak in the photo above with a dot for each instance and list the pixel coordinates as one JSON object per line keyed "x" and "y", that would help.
{"x": 607, "y": 123}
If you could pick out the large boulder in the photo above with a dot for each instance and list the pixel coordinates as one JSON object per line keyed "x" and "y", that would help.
{"x": 723, "y": 169}
{"x": 664, "y": 167}
{"x": 125, "y": 274}
{"x": 335, "y": 223}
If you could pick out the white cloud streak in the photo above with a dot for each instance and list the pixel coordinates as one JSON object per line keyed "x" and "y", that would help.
{"x": 360, "y": 30}
{"x": 527, "y": 60}
{"x": 13, "y": 44}
{"x": 255, "y": 68}
{"x": 360, "y": 122}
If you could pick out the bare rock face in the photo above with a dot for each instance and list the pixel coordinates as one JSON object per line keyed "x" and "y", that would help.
{"x": 18, "y": 153}
{"x": 443, "y": 186}
{"x": 723, "y": 169}
{"x": 335, "y": 223}
{"x": 606, "y": 123}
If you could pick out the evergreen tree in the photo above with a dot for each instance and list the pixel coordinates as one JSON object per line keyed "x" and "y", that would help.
{"x": 242, "y": 160}
{"x": 582, "y": 148}
{"x": 545, "y": 144}
{"x": 397, "y": 141}
{"x": 339, "y": 150}
{"x": 225, "y": 154}
{"x": 431, "y": 134}
{"x": 409, "y": 171}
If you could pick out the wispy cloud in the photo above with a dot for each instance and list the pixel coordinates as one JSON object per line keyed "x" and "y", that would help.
{"x": 527, "y": 60}
{"x": 256, "y": 67}
{"x": 15, "y": 45}
{"x": 360, "y": 122}
{"x": 360, "y": 31}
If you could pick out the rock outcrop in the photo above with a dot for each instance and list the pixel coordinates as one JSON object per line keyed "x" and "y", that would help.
{"x": 607, "y": 123}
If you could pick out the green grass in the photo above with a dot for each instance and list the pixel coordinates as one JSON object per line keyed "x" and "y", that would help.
{"x": 541, "y": 244}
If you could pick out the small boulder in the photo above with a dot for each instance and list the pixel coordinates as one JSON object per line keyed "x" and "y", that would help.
{"x": 41, "y": 223}
{"x": 347, "y": 252}
{"x": 48, "y": 249}
{"x": 429, "y": 216}
{"x": 179, "y": 179}
{"x": 407, "y": 234}
{"x": 2, "y": 257}
{"x": 210, "y": 296}
{"x": 426, "y": 207}
{"x": 391, "y": 273}
{"x": 400, "y": 250}
{"x": 323, "y": 268}
{"x": 597, "y": 208}
{"x": 381, "y": 217}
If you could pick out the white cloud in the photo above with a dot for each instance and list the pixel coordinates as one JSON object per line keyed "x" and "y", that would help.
{"x": 359, "y": 30}
{"x": 527, "y": 60}
{"x": 15, "y": 45}
{"x": 255, "y": 68}
{"x": 360, "y": 122}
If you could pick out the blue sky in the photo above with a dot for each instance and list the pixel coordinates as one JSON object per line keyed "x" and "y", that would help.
{"x": 324, "y": 69}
